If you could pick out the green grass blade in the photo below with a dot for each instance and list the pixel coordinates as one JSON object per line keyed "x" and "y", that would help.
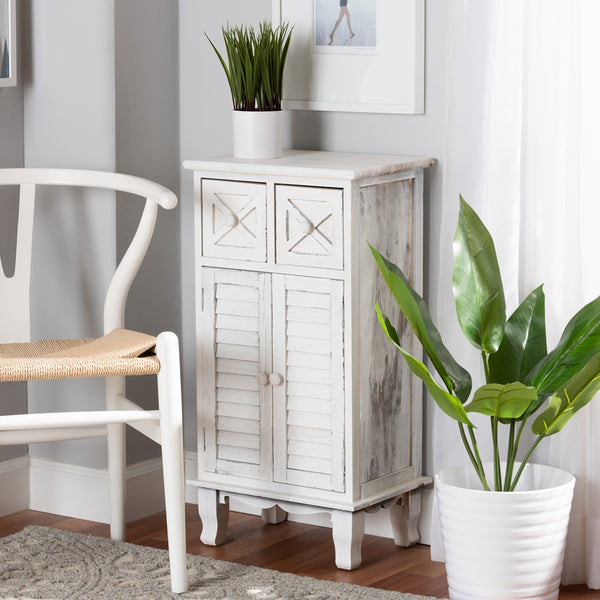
{"x": 255, "y": 63}
{"x": 227, "y": 71}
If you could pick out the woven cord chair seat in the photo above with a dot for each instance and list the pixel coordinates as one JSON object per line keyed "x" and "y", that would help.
{"x": 120, "y": 352}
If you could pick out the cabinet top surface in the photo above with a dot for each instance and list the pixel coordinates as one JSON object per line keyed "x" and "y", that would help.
{"x": 343, "y": 165}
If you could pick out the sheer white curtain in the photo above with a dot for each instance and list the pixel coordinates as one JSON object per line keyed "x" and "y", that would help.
{"x": 522, "y": 145}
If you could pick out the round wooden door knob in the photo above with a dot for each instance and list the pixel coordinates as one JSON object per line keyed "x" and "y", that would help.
{"x": 275, "y": 379}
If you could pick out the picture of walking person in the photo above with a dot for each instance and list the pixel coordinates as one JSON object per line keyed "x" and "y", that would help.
{"x": 344, "y": 12}
{"x": 350, "y": 23}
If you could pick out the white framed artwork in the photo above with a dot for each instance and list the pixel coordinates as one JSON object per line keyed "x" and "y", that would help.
{"x": 8, "y": 43}
{"x": 354, "y": 55}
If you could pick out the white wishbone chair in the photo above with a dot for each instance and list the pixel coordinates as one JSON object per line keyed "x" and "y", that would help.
{"x": 119, "y": 353}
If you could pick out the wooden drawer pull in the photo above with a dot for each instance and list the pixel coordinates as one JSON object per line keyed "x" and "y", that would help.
{"x": 231, "y": 220}
{"x": 306, "y": 227}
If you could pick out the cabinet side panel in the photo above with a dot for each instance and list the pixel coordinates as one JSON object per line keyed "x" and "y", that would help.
{"x": 387, "y": 390}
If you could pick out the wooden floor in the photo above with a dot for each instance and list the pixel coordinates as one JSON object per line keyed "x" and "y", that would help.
{"x": 289, "y": 547}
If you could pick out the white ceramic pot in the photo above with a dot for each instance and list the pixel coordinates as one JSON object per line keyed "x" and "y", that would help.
{"x": 257, "y": 133}
{"x": 504, "y": 545}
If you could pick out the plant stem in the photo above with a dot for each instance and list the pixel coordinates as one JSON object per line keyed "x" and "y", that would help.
{"x": 465, "y": 441}
{"x": 509, "y": 484}
{"x": 485, "y": 357}
{"x": 476, "y": 458}
{"x": 511, "y": 455}
{"x": 497, "y": 471}
{"x": 521, "y": 429}
{"x": 524, "y": 462}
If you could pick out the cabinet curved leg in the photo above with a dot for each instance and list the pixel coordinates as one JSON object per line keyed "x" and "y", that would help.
{"x": 274, "y": 515}
{"x": 214, "y": 516}
{"x": 348, "y": 533}
{"x": 404, "y": 516}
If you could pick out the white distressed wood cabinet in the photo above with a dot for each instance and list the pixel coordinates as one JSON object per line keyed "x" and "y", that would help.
{"x": 303, "y": 404}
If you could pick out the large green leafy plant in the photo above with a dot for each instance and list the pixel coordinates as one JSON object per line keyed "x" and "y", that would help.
{"x": 255, "y": 64}
{"x": 523, "y": 380}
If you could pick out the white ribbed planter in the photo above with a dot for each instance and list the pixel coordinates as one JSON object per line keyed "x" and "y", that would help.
{"x": 504, "y": 545}
{"x": 257, "y": 133}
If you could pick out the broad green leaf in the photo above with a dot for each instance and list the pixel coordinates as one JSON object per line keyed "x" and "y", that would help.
{"x": 573, "y": 396}
{"x": 414, "y": 308}
{"x": 450, "y": 404}
{"x": 524, "y": 342}
{"x": 477, "y": 284}
{"x": 579, "y": 342}
{"x": 508, "y": 401}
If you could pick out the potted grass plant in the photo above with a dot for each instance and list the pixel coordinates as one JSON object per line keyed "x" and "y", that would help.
{"x": 504, "y": 522}
{"x": 254, "y": 64}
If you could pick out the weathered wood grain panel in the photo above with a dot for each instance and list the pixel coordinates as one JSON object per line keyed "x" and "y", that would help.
{"x": 386, "y": 385}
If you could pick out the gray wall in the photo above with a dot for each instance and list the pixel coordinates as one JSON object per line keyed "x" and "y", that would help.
{"x": 12, "y": 396}
{"x": 147, "y": 144}
{"x": 69, "y": 116}
{"x": 205, "y": 128}
{"x": 100, "y": 92}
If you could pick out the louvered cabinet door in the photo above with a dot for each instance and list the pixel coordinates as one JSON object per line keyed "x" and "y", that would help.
{"x": 308, "y": 395}
{"x": 236, "y": 406}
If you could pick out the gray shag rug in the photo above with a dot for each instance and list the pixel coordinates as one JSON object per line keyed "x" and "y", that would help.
{"x": 44, "y": 563}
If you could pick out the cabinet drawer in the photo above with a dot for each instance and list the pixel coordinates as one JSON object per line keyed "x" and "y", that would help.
{"x": 309, "y": 227}
{"x": 234, "y": 219}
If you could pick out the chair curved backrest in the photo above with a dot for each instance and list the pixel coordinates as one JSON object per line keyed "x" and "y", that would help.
{"x": 118, "y": 353}
{"x": 16, "y": 327}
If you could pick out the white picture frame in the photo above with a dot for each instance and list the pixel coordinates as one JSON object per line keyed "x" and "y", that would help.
{"x": 379, "y": 69}
{"x": 8, "y": 43}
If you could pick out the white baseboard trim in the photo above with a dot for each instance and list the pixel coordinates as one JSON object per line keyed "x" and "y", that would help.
{"x": 14, "y": 481}
{"x": 375, "y": 523}
{"x": 82, "y": 492}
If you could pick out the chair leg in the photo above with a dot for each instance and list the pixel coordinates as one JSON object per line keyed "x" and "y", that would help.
{"x": 171, "y": 428}
{"x": 116, "y": 462}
